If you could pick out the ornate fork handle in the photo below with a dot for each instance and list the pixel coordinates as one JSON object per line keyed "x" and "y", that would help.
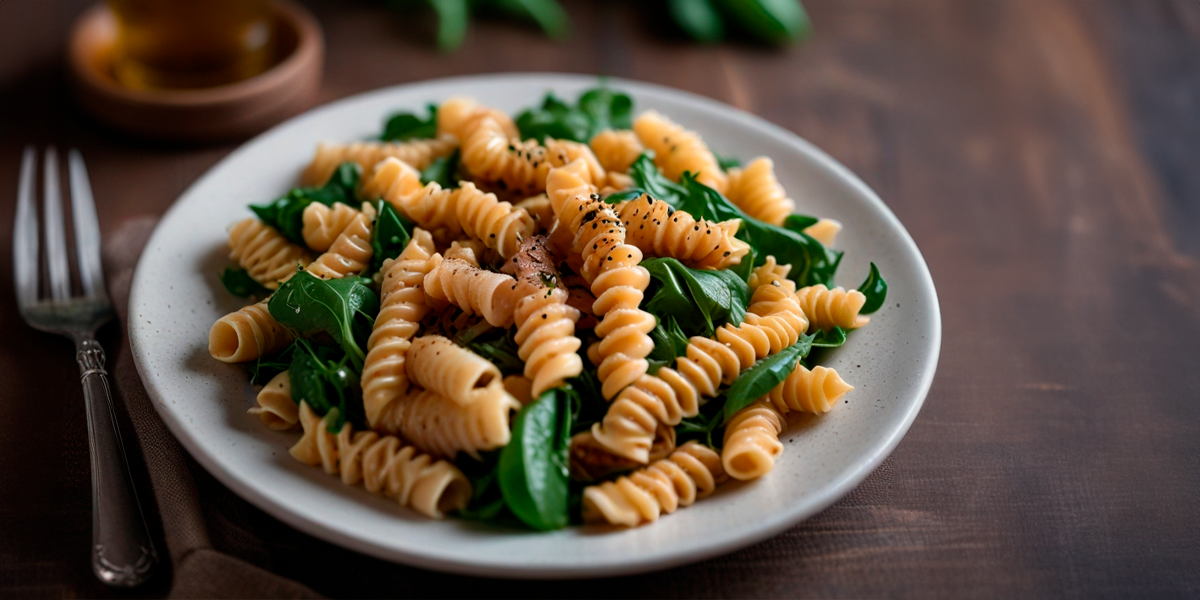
{"x": 122, "y": 553}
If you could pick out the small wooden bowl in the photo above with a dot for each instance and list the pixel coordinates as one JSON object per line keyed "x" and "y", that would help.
{"x": 227, "y": 112}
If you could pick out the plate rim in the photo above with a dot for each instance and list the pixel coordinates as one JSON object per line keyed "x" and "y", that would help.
{"x": 769, "y": 527}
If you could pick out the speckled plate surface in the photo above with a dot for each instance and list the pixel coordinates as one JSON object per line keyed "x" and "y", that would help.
{"x": 177, "y": 296}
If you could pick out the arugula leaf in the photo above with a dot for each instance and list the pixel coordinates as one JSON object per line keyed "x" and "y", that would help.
{"x": 829, "y": 339}
{"x": 765, "y": 374}
{"x": 264, "y": 368}
{"x": 237, "y": 281}
{"x": 407, "y": 126}
{"x": 329, "y": 386}
{"x": 727, "y": 162}
{"x": 390, "y": 235}
{"x": 597, "y": 109}
{"x": 533, "y": 466}
{"x": 286, "y": 213}
{"x": 699, "y": 301}
{"x": 445, "y": 171}
{"x": 344, "y": 308}
{"x": 669, "y": 342}
{"x": 875, "y": 289}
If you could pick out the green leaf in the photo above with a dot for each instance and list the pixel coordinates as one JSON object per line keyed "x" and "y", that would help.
{"x": 745, "y": 268}
{"x": 389, "y": 236}
{"x": 286, "y": 214}
{"x": 829, "y": 339}
{"x": 495, "y": 344}
{"x": 407, "y": 126}
{"x": 444, "y": 171}
{"x": 772, "y": 21}
{"x": 548, "y": 14}
{"x": 452, "y": 22}
{"x": 237, "y": 281}
{"x": 698, "y": 300}
{"x": 598, "y": 109}
{"x": 344, "y": 308}
{"x": 533, "y": 466}
{"x": 767, "y": 373}
{"x": 699, "y": 18}
{"x": 606, "y": 108}
{"x": 669, "y": 342}
{"x": 799, "y": 223}
{"x": 322, "y": 379}
{"x": 649, "y": 180}
{"x": 875, "y": 289}
{"x": 588, "y": 405}
{"x": 264, "y": 368}
{"x": 727, "y": 162}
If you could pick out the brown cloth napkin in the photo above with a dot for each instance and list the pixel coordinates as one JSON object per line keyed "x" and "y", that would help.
{"x": 220, "y": 546}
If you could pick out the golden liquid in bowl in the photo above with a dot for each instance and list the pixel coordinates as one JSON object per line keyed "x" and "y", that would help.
{"x": 180, "y": 44}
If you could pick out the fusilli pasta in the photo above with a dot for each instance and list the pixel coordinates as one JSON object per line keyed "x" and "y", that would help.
{"x": 488, "y": 154}
{"x": 418, "y": 153}
{"x": 757, "y": 191}
{"x": 438, "y": 364}
{"x": 826, "y": 308}
{"x": 247, "y": 334}
{"x": 323, "y": 224}
{"x": 659, "y": 230}
{"x": 677, "y": 150}
{"x": 351, "y": 252}
{"x": 274, "y": 404}
{"x": 824, "y": 231}
{"x": 268, "y": 256}
{"x": 442, "y": 427}
{"x": 692, "y": 472}
{"x": 616, "y": 150}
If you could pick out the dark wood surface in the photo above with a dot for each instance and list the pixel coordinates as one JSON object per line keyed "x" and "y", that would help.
{"x": 1045, "y": 156}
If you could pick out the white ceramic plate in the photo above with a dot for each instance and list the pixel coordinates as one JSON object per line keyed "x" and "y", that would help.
{"x": 177, "y": 296}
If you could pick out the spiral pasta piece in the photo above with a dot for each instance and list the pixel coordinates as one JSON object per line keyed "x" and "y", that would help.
{"x": 465, "y": 209}
{"x": 351, "y": 252}
{"x": 274, "y": 404}
{"x": 616, "y": 150}
{"x": 247, "y": 334}
{"x": 402, "y": 306}
{"x": 455, "y": 115}
{"x": 438, "y": 364}
{"x": 418, "y": 153}
{"x": 677, "y": 150}
{"x": 383, "y": 464}
{"x": 611, "y": 268}
{"x": 474, "y": 290}
{"x": 824, "y": 231}
{"x": 826, "y": 308}
{"x": 769, "y": 273}
{"x": 539, "y": 208}
{"x": 757, "y": 191}
{"x": 657, "y": 229}
{"x": 546, "y": 338}
{"x": 519, "y": 387}
{"x": 773, "y": 321}
{"x": 442, "y": 427}
{"x": 752, "y": 435}
{"x": 692, "y": 472}
{"x": 323, "y": 224}
{"x": 268, "y": 256}
{"x": 489, "y": 155}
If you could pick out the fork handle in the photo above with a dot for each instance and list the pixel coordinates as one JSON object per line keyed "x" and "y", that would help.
{"x": 122, "y": 552}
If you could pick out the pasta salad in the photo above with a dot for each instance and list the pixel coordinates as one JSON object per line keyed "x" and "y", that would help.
{"x": 570, "y": 316}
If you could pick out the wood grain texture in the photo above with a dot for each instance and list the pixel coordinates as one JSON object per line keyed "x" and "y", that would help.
{"x": 1041, "y": 152}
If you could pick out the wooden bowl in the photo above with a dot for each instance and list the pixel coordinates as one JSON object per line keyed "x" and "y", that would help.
{"x": 227, "y": 112}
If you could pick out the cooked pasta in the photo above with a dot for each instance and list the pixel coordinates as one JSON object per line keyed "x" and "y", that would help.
{"x": 438, "y": 364}
{"x": 464, "y": 209}
{"x": 265, "y": 254}
{"x": 677, "y": 150}
{"x": 247, "y": 334}
{"x": 323, "y": 224}
{"x": 402, "y": 306}
{"x": 828, "y": 308}
{"x": 442, "y": 427}
{"x": 506, "y": 321}
{"x": 692, "y": 472}
{"x": 274, "y": 404}
{"x": 351, "y": 252}
{"x": 659, "y": 230}
{"x": 757, "y": 192}
{"x": 418, "y": 153}
{"x": 616, "y": 150}
{"x": 383, "y": 464}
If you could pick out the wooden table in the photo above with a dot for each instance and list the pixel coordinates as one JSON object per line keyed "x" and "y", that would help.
{"x": 1045, "y": 156}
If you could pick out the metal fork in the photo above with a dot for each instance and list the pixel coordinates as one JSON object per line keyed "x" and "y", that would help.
{"x": 122, "y": 553}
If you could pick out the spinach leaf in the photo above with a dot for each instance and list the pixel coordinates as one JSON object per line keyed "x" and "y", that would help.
{"x": 698, "y": 18}
{"x": 745, "y": 268}
{"x": 875, "y": 289}
{"x": 286, "y": 213}
{"x": 407, "y": 126}
{"x": 587, "y": 401}
{"x": 700, "y": 427}
{"x": 772, "y": 21}
{"x": 647, "y": 179}
{"x": 799, "y": 223}
{"x": 487, "y": 503}
{"x": 699, "y": 301}
{"x": 727, "y": 162}
{"x": 767, "y": 373}
{"x": 445, "y": 171}
{"x": 323, "y": 379}
{"x": 266, "y": 367}
{"x": 548, "y": 14}
{"x": 496, "y": 345}
{"x": 669, "y": 342}
{"x": 598, "y": 109}
{"x": 452, "y": 22}
{"x": 344, "y": 308}
{"x": 239, "y": 283}
{"x": 533, "y": 466}
{"x": 829, "y": 339}
{"x": 390, "y": 235}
